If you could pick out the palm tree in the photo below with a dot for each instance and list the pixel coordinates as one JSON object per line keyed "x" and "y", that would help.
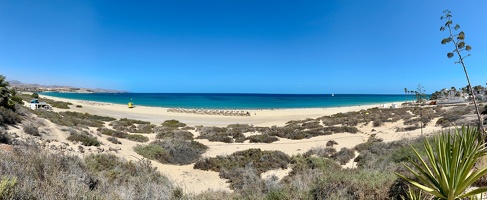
{"x": 450, "y": 170}
{"x": 6, "y": 95}
{"x": 406, "y": 92}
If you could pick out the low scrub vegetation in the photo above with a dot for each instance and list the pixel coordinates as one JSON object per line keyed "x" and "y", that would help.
{"x": 83, "y": 137}
{"x": 317, "y": 174}
{"x": 113, "y": 133}
{"x": 344, "y": 155}
{"x": 114, "y": 140}
{"x": 132, "y": 125}
{"x": 170, "y": 133}
{"x": 173, "y": 124}
{"x": 31, "y": 129}
{"x": 32, "y": 173}
{"x": 5, "y": 138}
{"x": 137, "y": 138}
{"x": 380, "y": 116}
{"x": 73, "y": 119}
{"x": 172, "y": 151}
{"x": 235, "y": 166}
{"x": 263, "y": 138}
{"x": 220, "y": 134}
{"x": 9, "y": 117}
{"x": 321, "y": 152}
{"x": 455, "y": 117}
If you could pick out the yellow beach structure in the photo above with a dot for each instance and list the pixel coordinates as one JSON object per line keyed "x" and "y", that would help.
{"x": 131, "y": 105}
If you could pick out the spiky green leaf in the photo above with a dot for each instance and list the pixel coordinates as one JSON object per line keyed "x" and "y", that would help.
{"x": 451, "y": 167}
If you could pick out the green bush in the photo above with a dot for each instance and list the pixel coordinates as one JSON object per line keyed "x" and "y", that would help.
{"x": 132, "y": 125}
{"x": 7, "y": 187}
{"x": 169, "y": 133}
{"x": 113, "y": 133}
{"x": 8, "y": 117}
{"x": 262, "y": 138}
{"x": 153, "y": 152}
{"x": 133, "y": 121}
{"x": 137, "y": 138}
{"x": 73, "y": 119}
{"x": 301, "y": 164}
{"x": 144, "y": 128}
{"x": 85, "y": 138}
{"x": 172, "y": 151}
{"x": 59, "y": 104}
{"x": 217, "y": 134}
{"x": 79, "y": 106}
{"x": 341, "y": 129}
{"x": 173, "y": 123}
{"x": 34, "y": 95}
{"x": 87, "y": 116}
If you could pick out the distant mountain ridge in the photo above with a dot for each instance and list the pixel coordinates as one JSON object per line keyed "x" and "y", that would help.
{"x": 34, "y": 87}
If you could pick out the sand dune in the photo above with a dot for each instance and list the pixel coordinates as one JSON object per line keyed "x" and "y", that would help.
{"x": 195, "y": 181}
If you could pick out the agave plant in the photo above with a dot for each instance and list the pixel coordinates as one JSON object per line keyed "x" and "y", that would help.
{"x": 449, "y": 169}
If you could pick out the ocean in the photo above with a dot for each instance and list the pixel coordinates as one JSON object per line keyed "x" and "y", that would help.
{"x": 236, "y": 101}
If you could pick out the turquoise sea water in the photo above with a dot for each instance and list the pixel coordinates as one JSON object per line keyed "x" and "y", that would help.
{"x": 235, "y": 101}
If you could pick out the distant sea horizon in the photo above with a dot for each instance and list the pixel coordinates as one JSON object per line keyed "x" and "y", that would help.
{"x": 235, "y": 100}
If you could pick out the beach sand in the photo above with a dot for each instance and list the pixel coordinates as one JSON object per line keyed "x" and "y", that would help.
{"x": 196, "y": 181}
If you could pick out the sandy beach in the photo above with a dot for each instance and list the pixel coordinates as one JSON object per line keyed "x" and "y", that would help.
{"x": 196, "y": 181}
{"x": 157, "y": 115}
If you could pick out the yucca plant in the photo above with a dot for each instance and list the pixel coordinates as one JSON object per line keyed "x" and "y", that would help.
{"x": 449, "y": 169}
{"x": 414, "y": 195}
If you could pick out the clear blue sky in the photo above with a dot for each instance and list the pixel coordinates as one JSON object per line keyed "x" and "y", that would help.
{"x": 241, "y": 46}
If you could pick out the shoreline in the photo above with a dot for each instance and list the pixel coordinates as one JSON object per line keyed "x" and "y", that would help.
{"x": 345, "y": 100}
{"x": 258, "y": 117}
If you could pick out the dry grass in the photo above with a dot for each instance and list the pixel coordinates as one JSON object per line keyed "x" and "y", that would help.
{"x": 42, "y": 175}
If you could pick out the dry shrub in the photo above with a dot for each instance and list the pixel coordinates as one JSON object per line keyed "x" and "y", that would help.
{"x": 8, "y": 117}
{"x": 169, "y": 133}
{"x": 31, "y": 129}
{"x": 173, "y": 124}
{"x": 262, "y": 138}
{"x": 243, "y": 168}
{"x": 137, "y": 138}
{"x": 172, "y": 151}
{"x": 114, "y": 140}
{"x": 43, "y": 175}
{"x": 5, "y": 137}
{"x": 344, "y": 155}
{"x": 113, "y": 133}
{"x": 84, "y": 137}
{"x": 330, "y": 143}
{"x": 326, "y": 152}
